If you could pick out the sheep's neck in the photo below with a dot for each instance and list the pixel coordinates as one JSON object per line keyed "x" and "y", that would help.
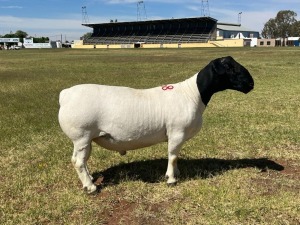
{"x": 189, "y": 88}
{"x": 208, "y": 84}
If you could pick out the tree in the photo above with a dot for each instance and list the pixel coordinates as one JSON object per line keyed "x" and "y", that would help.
{"x": 41, "y": 40}
{"x": 11, "y": 35}
{"x": 21, "y": 34}
{"x": 270, "y": 29}
{"x": 296, "y": 29}
{"x": 282, "y": 26}
{"x": 87, "y": 35}
{"x": 285, "y": 20}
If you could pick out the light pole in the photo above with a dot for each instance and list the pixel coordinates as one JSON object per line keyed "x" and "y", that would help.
{"x": 240, "y": 18}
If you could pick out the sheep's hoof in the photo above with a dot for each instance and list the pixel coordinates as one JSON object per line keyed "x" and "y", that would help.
{"x": 92, "y": 189}
{"x": 172, "y": 184}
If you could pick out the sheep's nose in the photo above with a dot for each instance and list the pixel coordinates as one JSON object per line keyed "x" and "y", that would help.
{"x": 251, "y": 84}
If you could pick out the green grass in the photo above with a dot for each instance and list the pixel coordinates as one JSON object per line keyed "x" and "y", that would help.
{"x": 231, "y": 172}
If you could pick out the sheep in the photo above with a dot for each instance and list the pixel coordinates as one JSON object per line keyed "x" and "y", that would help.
{"x": 122, "y": 118}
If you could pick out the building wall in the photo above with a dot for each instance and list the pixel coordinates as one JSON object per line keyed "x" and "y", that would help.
{"x": 266, "y": 42}
{"x": 228, "y": 43}
{"x": 232, "y": 34}
{"x": 220, "y": 43}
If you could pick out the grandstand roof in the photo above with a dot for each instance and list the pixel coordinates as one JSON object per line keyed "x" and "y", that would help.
{"x": 193, "y": 19}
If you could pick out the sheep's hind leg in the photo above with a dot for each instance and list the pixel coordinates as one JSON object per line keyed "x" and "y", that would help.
{"x": 80, "y": 156}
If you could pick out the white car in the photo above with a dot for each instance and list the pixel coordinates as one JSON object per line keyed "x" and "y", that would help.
{"x": 15, "y": 47}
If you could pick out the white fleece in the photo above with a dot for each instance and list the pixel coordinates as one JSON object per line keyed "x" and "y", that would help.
{"x": 122, "y": 118}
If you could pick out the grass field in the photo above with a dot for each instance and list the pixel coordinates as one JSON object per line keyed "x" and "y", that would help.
{"x": 242, "y": 168}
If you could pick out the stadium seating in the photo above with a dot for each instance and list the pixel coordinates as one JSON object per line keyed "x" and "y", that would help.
{"x": 186, "y": 30}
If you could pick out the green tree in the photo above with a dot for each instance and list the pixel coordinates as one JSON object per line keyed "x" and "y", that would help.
{"x": 21, "y": 34}
{"x": 296, "y": 29}
{"x": 270, "y": 29}
{"x": 11, "y": 35}
{"x": 41, "y": 40}
{"x": 282, "y": 26}
{"x": 87, "y": 35}
{"x": 285, "y": 20}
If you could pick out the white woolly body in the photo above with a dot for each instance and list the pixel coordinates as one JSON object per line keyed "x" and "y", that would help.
{"x": 122, "y": 118}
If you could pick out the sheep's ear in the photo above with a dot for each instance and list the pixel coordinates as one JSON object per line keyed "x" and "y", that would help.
{"x": 223, "y": 65}
{"x": 219, "y": 65}
{"x": 226, "y": 60}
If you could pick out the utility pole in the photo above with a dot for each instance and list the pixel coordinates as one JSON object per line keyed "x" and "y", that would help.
{"x": 240, "y": 18}
{"x": 141, "y": 8}
{"x": 205, "y": 8}
{"x": 85, "y": 17}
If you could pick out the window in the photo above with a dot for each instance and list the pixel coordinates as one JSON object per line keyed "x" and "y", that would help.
{"x": 261, "y": 43}
{"x": 268, "y": 42}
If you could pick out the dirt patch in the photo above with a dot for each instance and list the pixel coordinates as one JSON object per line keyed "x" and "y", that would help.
{"x": 276, "y": 181}
{"x": 121, "y": 211}
{"x": 291, "y": 169}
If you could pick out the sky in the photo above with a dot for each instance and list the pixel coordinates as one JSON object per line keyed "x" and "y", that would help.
{"x": 63, "y": 18}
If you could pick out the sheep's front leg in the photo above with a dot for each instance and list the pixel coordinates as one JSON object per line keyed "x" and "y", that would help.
{"x": 174, "y": 145}
{"x": 79, "y": 159}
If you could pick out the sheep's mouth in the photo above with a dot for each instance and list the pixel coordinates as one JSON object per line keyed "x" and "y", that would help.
{"x": 247, "y": 88}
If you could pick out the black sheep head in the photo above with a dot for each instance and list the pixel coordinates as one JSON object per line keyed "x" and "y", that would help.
{"x": 221, "y": 74}
{"x": 232, "y": 75}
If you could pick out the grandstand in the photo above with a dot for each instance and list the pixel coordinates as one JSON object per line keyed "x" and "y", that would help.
{"x": 170, "y": 31}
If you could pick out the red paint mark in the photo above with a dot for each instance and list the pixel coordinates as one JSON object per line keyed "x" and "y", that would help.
{"x": 167, "y": 87}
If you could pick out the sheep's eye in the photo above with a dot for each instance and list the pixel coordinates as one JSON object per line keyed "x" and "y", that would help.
{"x": 229, "y": 69}
{"x": 227, "y": 66}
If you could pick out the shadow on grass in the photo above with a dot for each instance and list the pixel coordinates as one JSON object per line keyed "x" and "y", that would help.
{"x": 152, "y": 171}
